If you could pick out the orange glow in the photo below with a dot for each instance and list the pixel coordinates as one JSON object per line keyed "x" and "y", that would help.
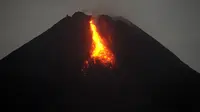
{"x": 99, "y": 50}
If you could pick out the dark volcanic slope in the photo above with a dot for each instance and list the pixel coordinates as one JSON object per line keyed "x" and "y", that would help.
{"x": 45, "y": 74}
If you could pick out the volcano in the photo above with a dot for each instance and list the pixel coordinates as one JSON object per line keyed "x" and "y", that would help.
{"x": 46, "y": 74}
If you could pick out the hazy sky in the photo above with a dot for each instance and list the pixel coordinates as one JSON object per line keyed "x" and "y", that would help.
{"x": 174, "y": 23}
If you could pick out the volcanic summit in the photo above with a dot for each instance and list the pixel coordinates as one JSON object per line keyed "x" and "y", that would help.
{"x": 101, "y": 64}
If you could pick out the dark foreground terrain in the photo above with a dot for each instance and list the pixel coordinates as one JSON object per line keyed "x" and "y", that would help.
{"x": 45, "y": 73}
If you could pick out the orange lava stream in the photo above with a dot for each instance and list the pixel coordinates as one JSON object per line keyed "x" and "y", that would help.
{"x": 99, "y": 50}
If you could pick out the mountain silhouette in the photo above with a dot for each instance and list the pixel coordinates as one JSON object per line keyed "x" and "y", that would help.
{"x": 45, "y": 73}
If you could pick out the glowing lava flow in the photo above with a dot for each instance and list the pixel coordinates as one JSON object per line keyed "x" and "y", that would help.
{"x": 99, "y": 50}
